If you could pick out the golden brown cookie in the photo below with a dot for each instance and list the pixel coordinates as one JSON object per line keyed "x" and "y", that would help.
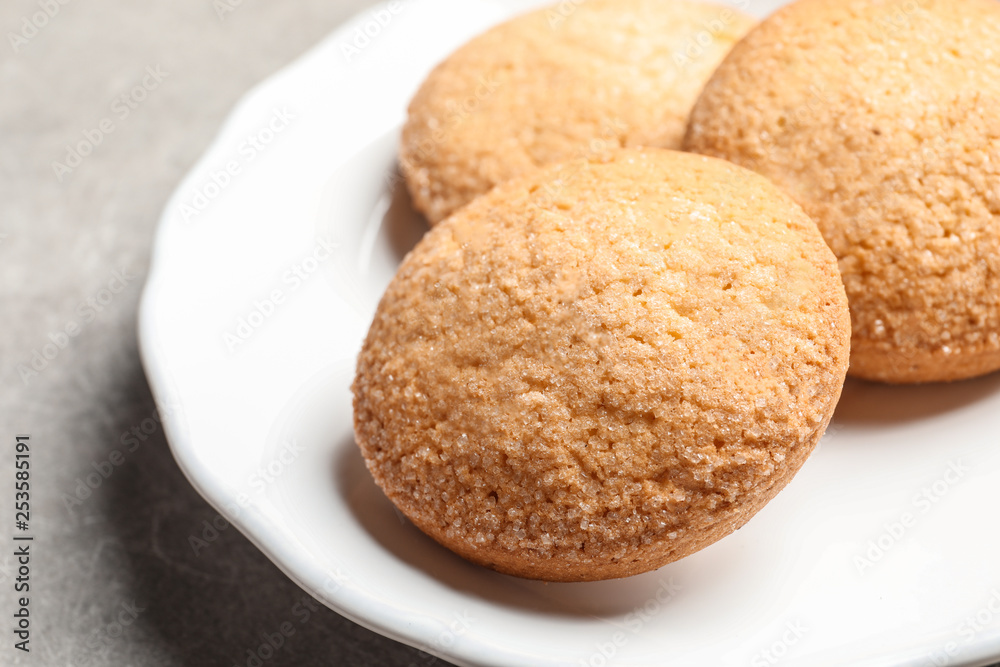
{"x": 882, "y": 119}
{"x": 603, "y": 366}
{"x": 570, "y": 81}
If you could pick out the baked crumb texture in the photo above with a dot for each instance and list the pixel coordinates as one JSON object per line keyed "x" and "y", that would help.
{"x": 604, "y": 366}
{"x": 882, "y": 119}
{"x": 556, "y": 84}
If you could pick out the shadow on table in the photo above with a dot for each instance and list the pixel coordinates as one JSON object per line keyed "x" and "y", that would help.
{"x": 210, "y": 595}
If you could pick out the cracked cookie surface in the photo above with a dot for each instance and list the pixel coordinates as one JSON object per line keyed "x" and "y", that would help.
{"x": 556, "y": 84}
{"x": 603, "y": 366}
{"x": 882, "y": 119}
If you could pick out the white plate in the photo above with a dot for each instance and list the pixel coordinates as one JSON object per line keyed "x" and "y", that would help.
{"x": 851, "y": 564}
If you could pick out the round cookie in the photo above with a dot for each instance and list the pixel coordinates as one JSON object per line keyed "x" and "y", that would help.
{"x": 556, "y": 84}
{"x": 603, "y": 366}
{"x": 882, "y": 119}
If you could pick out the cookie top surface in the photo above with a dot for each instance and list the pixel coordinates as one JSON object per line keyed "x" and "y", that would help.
{"x": 603, "y": 366}
{"x": 882, "y": 119}
{"x": 560, "y": 83}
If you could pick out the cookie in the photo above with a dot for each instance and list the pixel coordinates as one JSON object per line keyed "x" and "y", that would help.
{"x": 882, "y": 119}
{"x": 603, "y": 366}
{"x": 559, "y": 83}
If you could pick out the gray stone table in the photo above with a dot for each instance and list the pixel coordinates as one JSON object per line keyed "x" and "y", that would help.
{"x": 113, "y": 579}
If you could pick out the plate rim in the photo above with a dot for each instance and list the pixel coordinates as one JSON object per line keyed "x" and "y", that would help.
{"x": 301, "y": 568}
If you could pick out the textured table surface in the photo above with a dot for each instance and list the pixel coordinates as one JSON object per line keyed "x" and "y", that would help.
{"x": 114, "y": 580}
